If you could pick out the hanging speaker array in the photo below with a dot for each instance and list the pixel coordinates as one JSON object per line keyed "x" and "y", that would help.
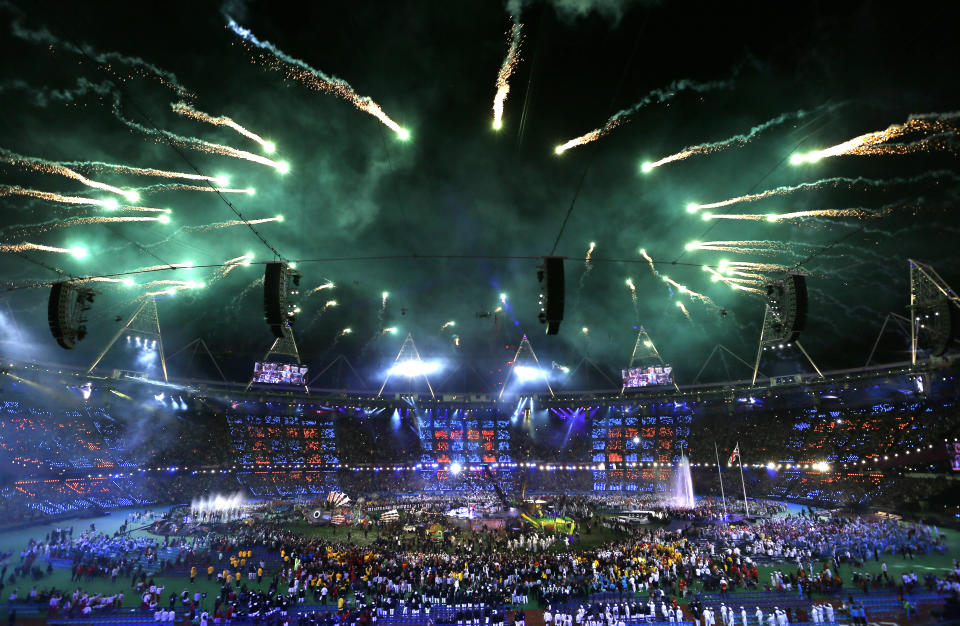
{"x": 66, "y": 312}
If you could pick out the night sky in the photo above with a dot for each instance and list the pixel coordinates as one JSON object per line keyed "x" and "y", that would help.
{"x": 457, "y": 187}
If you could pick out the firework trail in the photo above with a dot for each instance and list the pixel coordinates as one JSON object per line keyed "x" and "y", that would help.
{"x": 872, "y": 143}
{"x": 447, "y": 325}
{"x": 820, "y": 184}
{"x": 313, "y": 320}
{"x": 229, "y": 265}
{"x": 587, "y": 265}
{"x": 234, "y": 304}
{"x": 742, "y": 247}
{"x": 99, "y": 166}
{"x": 194, "y": 143}
{"x": 795, "y": 215}
{"x": 684, "y": 310}
{"x": 633, "y": 296}
{"x": 506, "y": 70}
{"x": 81, "y": 221}
{"x": 228, "y": 224}
{"x": 733, "y": 283}
{"x": 182, "y": 108}
{"x": 169, "y": 266}
{"x": 179, "y": 187}
{"x": 26, "y": 246}
{"x": 653, "y": 268}
{"x": 657, "y": 95}
{"x": 327, "y": 285}
{"x": 43, "y": 96}
{"x": 737, "y": 140}
{"x": 690, "y": 292}
{"x": 760, "y": 267}
{"x": 106, "y": 60}
{"x": 336, "y": 339}
{"x": 297, "y": 70}
{"x": 103, "y": 279}
{"x": 16, "y": 190}
{"x": 172, "y": 290}
{"x": 161, "y": 283}
{"x": 49, "y": 167}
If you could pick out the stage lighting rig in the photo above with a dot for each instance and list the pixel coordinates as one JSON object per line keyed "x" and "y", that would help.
{"x": 550, "y": 277}
{"x": 66, "y": 312}
{"x": 281, "y": 284}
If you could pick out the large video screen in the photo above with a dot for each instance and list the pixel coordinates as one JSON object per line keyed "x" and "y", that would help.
{"x": 280, "y": 373}
{"x": 953, "y": 452}
{"x": 648, "y": 376}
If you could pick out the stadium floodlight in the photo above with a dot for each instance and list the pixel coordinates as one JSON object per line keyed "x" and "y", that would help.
{"x": 455, "y": 468}
{"x": 412, "y": 368}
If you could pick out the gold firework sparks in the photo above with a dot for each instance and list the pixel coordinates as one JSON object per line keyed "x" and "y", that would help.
{"x": 143, "y": 171}
{"x": 657, "y": 95}
{"x": 835, "y": 182}
{"x": 8, "y": 190}
{"x": 230, "y": 223}
{"x": 793, "y": 215}
{"x": 689, "y": 292}
{"x": 326, "y": 285}
{"x": 684, "y": 310}
{"x": 736, "y": 140}
{"x": 872, "y": 143}
{"x": 506, "y": 70}
{"x": 82, "y": 221}
{"x": 49, "y": 167}
{"x": 177, "y": 187}
{"x": 649, "y": 260}
{"x": 739, "y": 247}
{"x": 185, "y": 109}
{"x": 295, "y": 69}
{"x": 26, "y": 246}
{"x": 195, "y": 143}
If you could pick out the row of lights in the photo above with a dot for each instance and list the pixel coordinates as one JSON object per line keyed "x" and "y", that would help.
{"x": 819, "y": 466}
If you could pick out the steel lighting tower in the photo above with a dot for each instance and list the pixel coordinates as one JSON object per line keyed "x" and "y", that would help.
{"x": 525, "y": 348}
{"x": 933, "y": 306}
{"x": 645, "y": 352}
{"x": 408, "y": 353}
{"x": 143, "y": 323}
{"x": 285, "y": 345}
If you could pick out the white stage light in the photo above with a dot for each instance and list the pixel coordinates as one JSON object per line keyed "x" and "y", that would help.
{"x": 412, "y": 367}
{"x": 525, "y": 373}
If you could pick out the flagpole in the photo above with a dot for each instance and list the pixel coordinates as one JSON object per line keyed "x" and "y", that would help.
{"x": 742, "y": 482}
{"x": 722, "y": 496}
